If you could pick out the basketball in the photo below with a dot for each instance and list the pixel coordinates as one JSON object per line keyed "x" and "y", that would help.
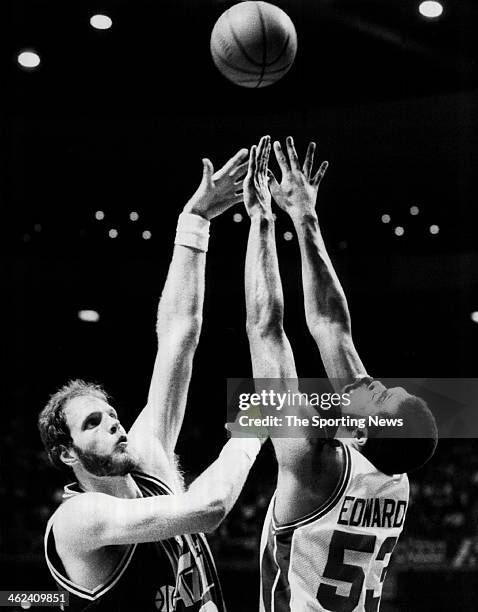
{"x": 253, "y": 44}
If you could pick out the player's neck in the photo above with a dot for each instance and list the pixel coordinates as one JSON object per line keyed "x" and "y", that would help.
{"x": 118, "y": 486}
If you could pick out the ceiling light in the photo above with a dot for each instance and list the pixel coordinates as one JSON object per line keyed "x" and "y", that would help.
{"x": 101, "y": 22}
{"x": 431, "y": 9}
{"x": 29, "y": 59}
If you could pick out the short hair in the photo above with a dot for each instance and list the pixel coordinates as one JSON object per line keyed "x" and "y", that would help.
{"x": 52, "y": 424}
{"x": 415, "y": 445}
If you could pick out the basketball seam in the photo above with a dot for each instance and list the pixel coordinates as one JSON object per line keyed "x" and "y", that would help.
{"x": 243, "y": 70}
{"x": 240, "y": 45}
{"x": 282, "y": 51}
{"x": 251, "y": 81}
{"x": 264, "y": 44}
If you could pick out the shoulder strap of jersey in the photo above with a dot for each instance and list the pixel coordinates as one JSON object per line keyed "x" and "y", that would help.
{"x": 152, "y": 484}
{"x": 325, "y": 507}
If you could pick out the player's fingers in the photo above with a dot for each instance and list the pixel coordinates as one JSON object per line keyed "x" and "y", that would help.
{"x": 251, "y": 167}
{"x": 239, "y": 171}
{"x": 207, "y": 171}
{"x": 281, "y": 158}
{"x": 267, "y": 156}
{"x": 262, "y": 153}
{"x": 320, "y": 173}
{"x": 236, "y": 198}
{"x": 309, "y": 160}
{"x": 235, "y": 161}
{"x": 293, "y": 158}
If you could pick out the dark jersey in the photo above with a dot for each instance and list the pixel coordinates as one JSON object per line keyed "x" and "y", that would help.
{"x": 171, "y": 575}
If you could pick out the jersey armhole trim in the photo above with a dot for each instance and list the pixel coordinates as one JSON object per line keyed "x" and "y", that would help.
{"x": 165, "y": 489}
{"x": 325, "y": 507}
{"x": 83, "y": 592}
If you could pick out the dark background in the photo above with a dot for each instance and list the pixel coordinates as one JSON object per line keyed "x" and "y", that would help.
{"x": 118, "y": 121}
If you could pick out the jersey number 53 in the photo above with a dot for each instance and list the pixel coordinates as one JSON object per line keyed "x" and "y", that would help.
{"x": 337, "y": 569}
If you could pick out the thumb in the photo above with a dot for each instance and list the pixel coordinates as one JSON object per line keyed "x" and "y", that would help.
{"x": 208, "y": 171}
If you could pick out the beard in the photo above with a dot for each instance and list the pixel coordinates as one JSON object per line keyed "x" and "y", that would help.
{"x": 114, "y": 464}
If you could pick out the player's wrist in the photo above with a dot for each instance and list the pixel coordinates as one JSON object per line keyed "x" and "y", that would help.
{"x": 197, "y": 207}
{"x": 249, "y": 446}
{"x": 192, "y": 230}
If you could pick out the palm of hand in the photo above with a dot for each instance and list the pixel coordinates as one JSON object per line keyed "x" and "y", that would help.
{"x": 257, "y": 196}
{"x": 219, "y": 194}
{"x": 221, "y": 190}
{"x": 294, "y": 192}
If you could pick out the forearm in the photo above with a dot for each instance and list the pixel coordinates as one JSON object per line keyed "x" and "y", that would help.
{"x": 327, "y": 313}
{"x": 218, "y": 487}
{"x": 181, "y": 303}
{"x": 324, "y": 298}
{"x": 264, "y": 297}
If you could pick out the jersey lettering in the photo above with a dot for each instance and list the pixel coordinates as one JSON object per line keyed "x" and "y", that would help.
{"x": 372, "y": 512}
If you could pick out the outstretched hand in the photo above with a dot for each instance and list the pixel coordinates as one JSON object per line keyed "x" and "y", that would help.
{"x": 297, "y": 191}
{"x": 221, "y": 190}
{"x": 257, "y": 197}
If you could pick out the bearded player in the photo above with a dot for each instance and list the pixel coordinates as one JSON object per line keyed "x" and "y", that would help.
{"x": 340, "y": 502}
{"x": 127, "y": 535}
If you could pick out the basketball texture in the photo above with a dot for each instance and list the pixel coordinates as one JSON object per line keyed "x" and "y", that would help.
{"x": 253, "y": 44}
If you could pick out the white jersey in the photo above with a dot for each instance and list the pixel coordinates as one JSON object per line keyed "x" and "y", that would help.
{"x": 335, "y": 558}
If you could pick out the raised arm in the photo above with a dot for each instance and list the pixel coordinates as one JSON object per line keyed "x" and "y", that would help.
{"x": 271, "y": 353}
{"x": 326, "y": 310}
{"x": 180, "y": 311}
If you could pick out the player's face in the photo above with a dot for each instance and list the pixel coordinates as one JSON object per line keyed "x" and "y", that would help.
{"x": 368, "y": 398}
{"x": 372, "y": 398}
{"x": 99, "y": 441}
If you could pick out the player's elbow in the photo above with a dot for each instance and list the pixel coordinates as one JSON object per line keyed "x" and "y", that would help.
{"x": 207, "y": 508}
{"x": 333, "y": 313}
{"x": 322, "y": 328}
{"x": 215, "y": 513}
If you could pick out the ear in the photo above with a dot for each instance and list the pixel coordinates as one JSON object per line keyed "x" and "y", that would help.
{"x": 68, "y": 455}
{"x": 361, "y": 436}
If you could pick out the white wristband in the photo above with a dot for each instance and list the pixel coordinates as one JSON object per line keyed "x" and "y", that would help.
{"x": 192, "y": 231}
{"x": 250, "y": 446}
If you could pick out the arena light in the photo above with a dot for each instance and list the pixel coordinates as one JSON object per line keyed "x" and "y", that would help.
{"x": 434, "y": 230}
{"x": 89, "y": 316}
{"x": 113, "y": 233}
{"x": 431, "y": 9}
{"x": 147, "y": 235}
{"x": 99, "y": 215}
{"x": 28, "y": 59}
{"x": 414, "y": 210}
{"x": 288, "y": 236}
{"x": 386, "y": 218}
{"x": 399, "y": 230}
{"x": 237, "y": 217}
{"x": 101, "y": 22}
{"x": 474, "y": 316}
{"x": 133, "y": 215}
